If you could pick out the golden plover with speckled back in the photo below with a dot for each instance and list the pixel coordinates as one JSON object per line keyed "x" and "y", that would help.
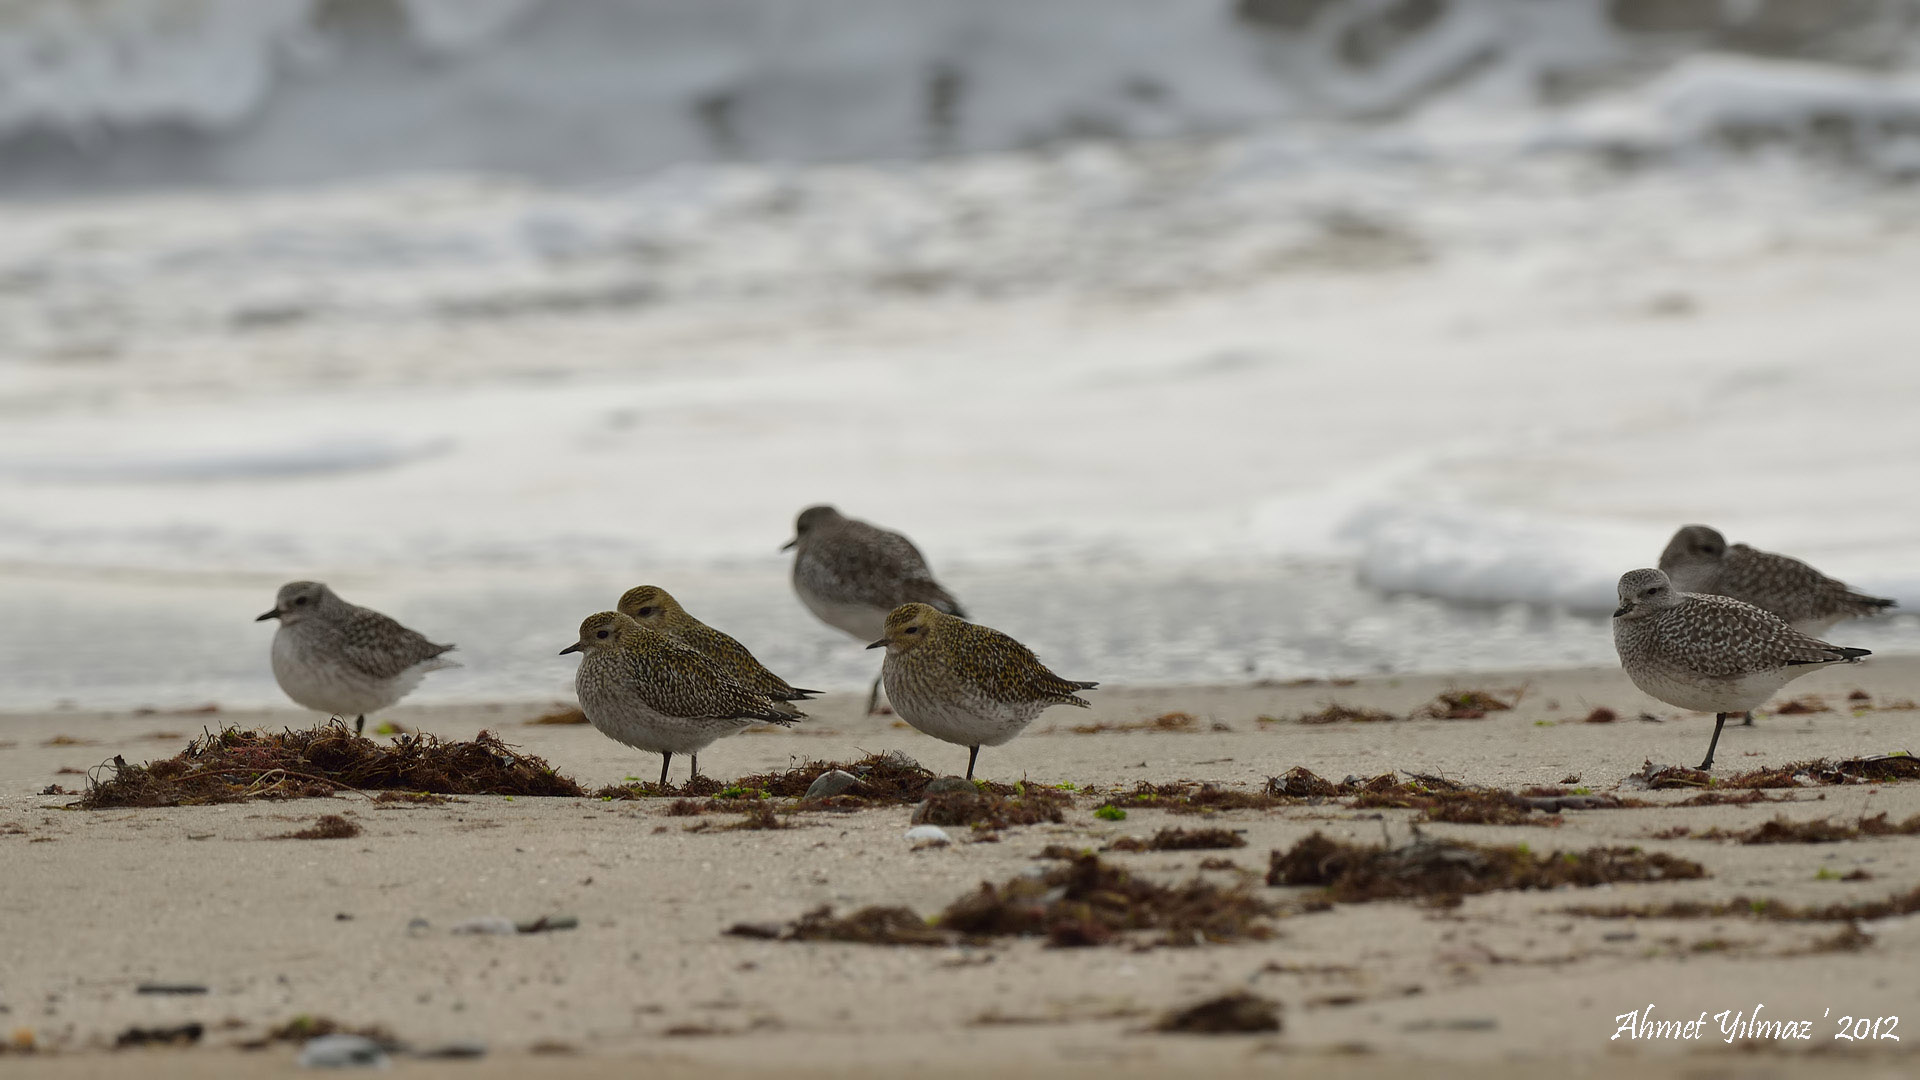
{"x": 639, "y": 687}
{"x": 343, "y": 659}
{"x": 1699, "y": 560}
{"x": 654, "y": 608}
{"x": 963, "y": 683}
{"x": 851, "y": 575}
{"x": 1710, "y": 653}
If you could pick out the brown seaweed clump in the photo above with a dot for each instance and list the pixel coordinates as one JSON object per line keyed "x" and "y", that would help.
{"x": 885, "y": 780}
{"x": 1084, "y": 902}
{"x": 1092, "y": 902}
{"x": 326, "y": 827}
{"x": 563, "y": 715}
{"x": 1898, "y": 904}
{"x": 1463, "y": 705}
{"x": 1031, "y": 804}
{"x": 1819, "y": 831}
{"x": 232, "y": 765}
{"x": 1442, "y": 871}
{"x": 1337, "y": 713}
{"x": 1190, "y": 798}
{"x": 1178, "y": 839}
{"x": 1238, "y": 1013}
{"x": 868, "y": 926}
{"x": 1877, "y": 769}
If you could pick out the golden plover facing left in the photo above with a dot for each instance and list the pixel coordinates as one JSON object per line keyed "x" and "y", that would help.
{"x": 656, "y": 609}
{"x": 851, "y": 575}
{"x": 963, "y": 683}
{"x": 1699, "y": 560}
{"x": 343, "y": 659}
{"x": 639, "y": 687}
{"x": 1710, "y": 653}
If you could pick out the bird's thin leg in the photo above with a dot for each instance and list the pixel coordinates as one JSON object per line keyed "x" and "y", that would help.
{"x": 1749, "y": 721}
{"x": 664, "y": 759}
{"x": 873, "y": 696}
{"x": 1719, "y": 721}
{"x": 359, "y": 724}
{"x": 973, "y": 754}
{"x": 695, "y": 775}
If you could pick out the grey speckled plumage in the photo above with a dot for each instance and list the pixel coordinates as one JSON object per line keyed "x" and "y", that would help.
{"x": 344, "y": 659}
{"x": 963, "y": 683}
{"x": 640, "y": 687}
{"x": 851, "y": 574}
{"x": 1710, "y": 653}
{"x": 1699, "y": 560}
{"x": 656, "y": 609}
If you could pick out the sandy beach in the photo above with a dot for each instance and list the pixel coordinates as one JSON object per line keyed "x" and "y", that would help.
{"x": 98, "y": 902}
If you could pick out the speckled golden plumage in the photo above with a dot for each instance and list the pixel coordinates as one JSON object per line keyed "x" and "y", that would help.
{"x": 965, "y": 683}
{"x": 642, "y": 688}
{"x": 656, "y": 609}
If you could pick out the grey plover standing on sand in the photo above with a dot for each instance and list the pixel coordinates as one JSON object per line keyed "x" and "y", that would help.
{"x": 963, "y": 683}
{"x": 1710, "y": 653}
{"x": 851, "y": 575}
{"x": 343, "y": 659}
{"x": 1699, "y": 560}
{"x": 639, "y": 687}
{"x": 656, "y": 609}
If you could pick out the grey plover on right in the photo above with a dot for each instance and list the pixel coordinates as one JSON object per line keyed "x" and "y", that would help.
{"x": 1699, "y": 560}
{"x": 654, "y": 608}
{"x": 343, "y": 659}
{"x": 1710, "y": 653}
{"x": 640, "y": 687}
{"x": 966, "y": 684}
{"x": 851, "y": 575}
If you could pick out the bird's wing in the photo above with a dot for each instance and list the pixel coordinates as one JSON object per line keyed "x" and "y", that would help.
{"x": 1724, "y": 637}
{"x": 381, "y": 648}
{"x": 1002, "y": 669}
{"x": 675, "y": 680}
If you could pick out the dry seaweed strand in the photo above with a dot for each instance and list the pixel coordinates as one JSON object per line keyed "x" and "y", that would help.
{"x": 1178, "y": 839}
{"x": 1818, "y": 831}
{"x": 1085, "y": 902}
{"x": 1442, "y": 871}
{"x": 1238, "y": 1013}
{"x": 1898, "y": 904}
{"x": 232, "y": 765}
{"x": 1032, "y": 804}
{"x": 325, "y": 827}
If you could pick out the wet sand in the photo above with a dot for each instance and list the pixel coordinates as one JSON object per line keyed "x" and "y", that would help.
{"x": 1505, "y": 984}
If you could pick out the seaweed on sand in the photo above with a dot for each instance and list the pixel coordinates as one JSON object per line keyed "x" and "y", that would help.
{"x": 1178, "y": 839}
{"x": 1083, "y": 902}
{"x": 1030, "y": 804}
{"x": 1442, "y": 871}
{"x": 885, "y": 779}
{"x": 232, "y": 765}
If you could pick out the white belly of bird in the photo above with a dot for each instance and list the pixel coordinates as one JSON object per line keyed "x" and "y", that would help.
{"x": 1742, "y": 693}
{"x": 860, "y": 620}
{"x": 328, "y": 686}
{"x": 967, "y": 720}
{"x": 621, "y": 719}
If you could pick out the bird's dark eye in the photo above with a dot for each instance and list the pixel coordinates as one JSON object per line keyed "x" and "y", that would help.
{"x": 299, "y": 601}
{"x": 644, "y": 612}
{"x": 602, "y": 635}
{"x": 913, "y": 630}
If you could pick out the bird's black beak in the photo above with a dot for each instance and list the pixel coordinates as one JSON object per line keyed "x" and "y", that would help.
{"x": 788, "y": 546}
{"x": 1622, "y": 610}
{"x": 575, "y": 647}
{"x": 878, "y": 644}
{"x": 274, "y": 614}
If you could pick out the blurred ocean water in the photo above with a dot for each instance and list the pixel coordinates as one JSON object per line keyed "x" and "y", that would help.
{"x": 1334, "y": 353}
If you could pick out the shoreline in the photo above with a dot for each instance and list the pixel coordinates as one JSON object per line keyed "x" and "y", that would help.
{"x": 100, "y": 901}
